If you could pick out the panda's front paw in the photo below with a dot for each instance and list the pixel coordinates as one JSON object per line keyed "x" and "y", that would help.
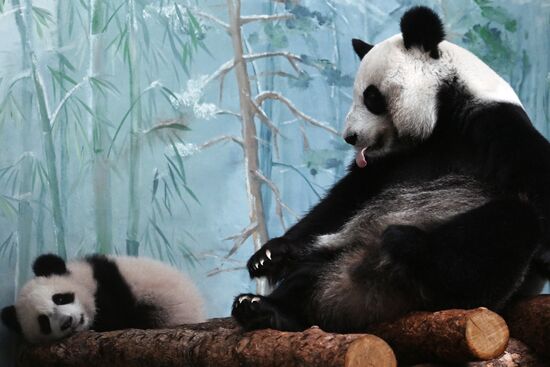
{"x": 270, "y": 260}
{"x": 404, "y": 243}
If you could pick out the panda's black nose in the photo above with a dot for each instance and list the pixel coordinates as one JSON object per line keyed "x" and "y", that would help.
{"x": 351, "y": 139}
{"x": 67, "y": 323}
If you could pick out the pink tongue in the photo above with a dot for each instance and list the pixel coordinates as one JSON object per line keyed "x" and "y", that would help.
{"x": 360, "y": 158}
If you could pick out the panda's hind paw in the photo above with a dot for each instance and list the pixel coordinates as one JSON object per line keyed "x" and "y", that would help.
{"x": 252, "y": 311}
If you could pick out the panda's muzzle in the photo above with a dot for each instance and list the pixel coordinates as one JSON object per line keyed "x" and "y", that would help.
{"x": 351, "y": 139}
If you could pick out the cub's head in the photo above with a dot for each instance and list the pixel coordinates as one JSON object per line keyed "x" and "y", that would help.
{"x": 397, "y": 87}
{"x": 52, "y": 305}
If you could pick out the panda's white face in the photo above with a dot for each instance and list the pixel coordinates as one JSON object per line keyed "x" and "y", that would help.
{"x": 49, "y": 308}
{"x": 394, "y": 97}
{"x": 395, "y": 94}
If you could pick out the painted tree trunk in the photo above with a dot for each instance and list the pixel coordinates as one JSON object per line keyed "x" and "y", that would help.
{"x": 132, "y": 232}
{"x": 266, "y": 135}
{"x": 101, "y": 169}
{"x": 24, "y": 210}
{"x": 47, "y": 138}
{"x": 249, "y": 134}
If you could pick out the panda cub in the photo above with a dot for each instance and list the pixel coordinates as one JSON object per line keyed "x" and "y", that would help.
{"x": 447, "y": 204}
{"x": 102, "y": 293}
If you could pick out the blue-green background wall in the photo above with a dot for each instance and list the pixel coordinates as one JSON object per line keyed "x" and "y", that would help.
{"x": 146, "y": 141}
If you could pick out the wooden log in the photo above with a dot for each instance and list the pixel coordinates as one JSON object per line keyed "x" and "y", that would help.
{"x": 450, "y": 336}
{"x": 214, "y": 343}
{"x": 517, "y": 354}
{"x": 529, "y": 321}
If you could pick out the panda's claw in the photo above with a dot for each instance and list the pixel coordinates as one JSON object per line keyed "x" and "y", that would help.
{"x": 262, "y": 262}
{"x": 255, "y": 300}
{"x": 243, "y": 298}
{"x": 268, "y": 254}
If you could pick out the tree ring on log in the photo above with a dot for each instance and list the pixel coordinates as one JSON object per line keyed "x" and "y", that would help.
{"x": 370, "y": 350}
{"x": 486, "y": 334}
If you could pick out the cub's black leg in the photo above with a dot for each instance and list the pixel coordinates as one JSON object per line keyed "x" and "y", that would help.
{"x": 477, "y": 258}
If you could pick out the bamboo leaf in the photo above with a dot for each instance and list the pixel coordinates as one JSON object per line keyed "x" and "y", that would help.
{"x": 112, "y": 16}
{"x": 171, "y": 172}
{"x": 192, "y": 194}
{"x": 59, "y": 76}
{"x": 42, "y": 16}
{"x": 155, "y": 184}
{"x": 102, "y": 84}
{"x": 301, "y": 175}
{"x": 5, "y": 244}
{"x": 160, "y": 233}
{"x": 180, "y": 174}
{"x": 7, "y": 208}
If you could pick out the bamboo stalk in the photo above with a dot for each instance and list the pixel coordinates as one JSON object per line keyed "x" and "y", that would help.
{"x": 49, "y": 149}
{"x": 249, "y": 133}
{"x": 101, "y": 169}
{"x": 63, "y": 118}
{"x": 24, "y": 210}
{"x": 132, "y": 232}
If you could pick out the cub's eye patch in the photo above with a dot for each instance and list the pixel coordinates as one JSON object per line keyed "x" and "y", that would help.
{"x": 374, "y": 100}
{"x": 44, "y": 323}
{"x": 63, "y": 298}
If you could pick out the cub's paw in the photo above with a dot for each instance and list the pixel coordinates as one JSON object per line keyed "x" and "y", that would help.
{"x": 404, "y": 243}
{"x": 270, "y": 260}
{"x": 252, "y": 311}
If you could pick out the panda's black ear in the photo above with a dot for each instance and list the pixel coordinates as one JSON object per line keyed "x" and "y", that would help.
{"x": 361, "y": 48}
{"x": 422, "y": 27}
{"x": 9, "y": 318}
{"x": 49, "y": 264}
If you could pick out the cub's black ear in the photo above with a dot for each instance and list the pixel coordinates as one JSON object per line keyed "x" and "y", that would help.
{"x": 49, "y": 264}
{"x": 422, "y": 27}
{"x": 9, "y": 318}
{"x": 361, "y": 48}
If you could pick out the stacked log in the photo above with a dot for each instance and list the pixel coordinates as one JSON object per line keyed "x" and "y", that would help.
{"x": 445, "y": 337}
{"x": 529, "y": 321}
{"x": 450, "y": 336}
{"x": 211, "y": 344}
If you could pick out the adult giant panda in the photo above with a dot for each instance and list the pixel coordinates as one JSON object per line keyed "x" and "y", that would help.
{"x": 451, "y": 209}
{"x": 103, "y": 293}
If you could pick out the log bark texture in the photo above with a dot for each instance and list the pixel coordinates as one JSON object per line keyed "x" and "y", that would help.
{"x": 450, "y": 336}
{"x": 215, "y": 343}
{"x": 529, "y": 321}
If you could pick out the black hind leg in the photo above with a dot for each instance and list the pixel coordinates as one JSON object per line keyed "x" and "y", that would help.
{"x": 478, "y": 258}
{"x": 285, "y": 308}
{"x": 253, "y": 312}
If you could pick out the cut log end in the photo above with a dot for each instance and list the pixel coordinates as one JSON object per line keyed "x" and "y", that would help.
{"x": 368, "y": 351}
{"x": 486, "y": 334}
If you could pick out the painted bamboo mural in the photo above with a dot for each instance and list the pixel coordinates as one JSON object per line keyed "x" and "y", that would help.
{"x": 25, "y": 211}
{"x": 192, "y": 131}
{"x": 97, "y": 104}
{"x": 132, "y": 240}
{"x": 45, "y": 122}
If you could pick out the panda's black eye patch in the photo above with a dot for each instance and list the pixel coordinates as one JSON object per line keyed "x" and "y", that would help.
{"x": 44, "y": 323}
{"x": 374, "y": 100}
{"x": 63, "y": 298}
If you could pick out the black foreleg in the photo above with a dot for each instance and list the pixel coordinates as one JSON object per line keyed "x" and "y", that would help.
{"x": 477, "y": 258}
